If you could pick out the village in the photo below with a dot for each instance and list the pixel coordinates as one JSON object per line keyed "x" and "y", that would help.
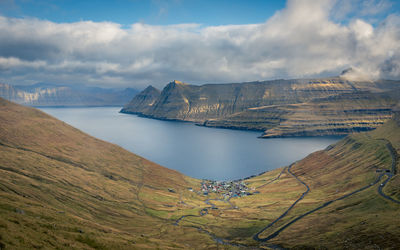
{"x": 227, "y": 189}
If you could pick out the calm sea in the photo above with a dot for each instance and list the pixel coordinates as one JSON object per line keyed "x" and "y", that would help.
{"x": 199, "y": 152}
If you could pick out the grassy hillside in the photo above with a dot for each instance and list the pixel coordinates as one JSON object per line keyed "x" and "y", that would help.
{"x": 60, "y": 188}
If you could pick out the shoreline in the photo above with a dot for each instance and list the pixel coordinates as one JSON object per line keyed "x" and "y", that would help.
{"x": 302, "y": 134}
{"x": 261, "y": 169}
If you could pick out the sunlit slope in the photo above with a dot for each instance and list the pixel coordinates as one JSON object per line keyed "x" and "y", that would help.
{"x": 359, "y": 221}
{"x": 335, "y": 115}
{"x": 342, "y": 209}
{"x": 60, "y": 188}
{"x": 281, "y": 108}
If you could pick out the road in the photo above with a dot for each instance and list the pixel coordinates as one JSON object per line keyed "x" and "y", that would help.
{"x": 203, "y": 212}
{"x": 276, "y": 178}
{"x": 276, "y": 233}
{"x": 257, "y": 235}
{"x": 393, "y": 171}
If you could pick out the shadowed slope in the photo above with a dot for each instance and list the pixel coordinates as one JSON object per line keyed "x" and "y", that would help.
{"x": 61, "y": 187}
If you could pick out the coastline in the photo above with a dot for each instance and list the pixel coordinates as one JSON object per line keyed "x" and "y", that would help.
{"x": 319, "y": 133}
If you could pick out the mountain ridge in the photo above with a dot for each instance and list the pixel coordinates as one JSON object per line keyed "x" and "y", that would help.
{"x": 61, "y": 188}
{"x": 47, "y": 94}
{"x": 266, "y": 105}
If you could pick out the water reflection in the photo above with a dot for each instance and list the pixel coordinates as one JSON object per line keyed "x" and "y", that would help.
{"x": 199, "y": 152}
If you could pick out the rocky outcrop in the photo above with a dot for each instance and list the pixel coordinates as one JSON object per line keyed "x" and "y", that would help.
{"x": 62, "y": 95}
{"x": 142, "y": 101}
{"x": 335, "y": 115}
{"x": 302, "y": 107}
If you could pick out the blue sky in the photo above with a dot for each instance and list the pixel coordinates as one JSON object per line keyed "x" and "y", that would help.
{"x": 136, "y": 43}
{"x": 166, "y": 12}
{"x": 156, "y": 12}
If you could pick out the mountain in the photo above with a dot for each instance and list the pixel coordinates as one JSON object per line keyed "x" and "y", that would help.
{"x": 348, "y": 195}
{"x": 61, "y": 188}
{"x": 143, "y": 100}
{"x": 45, "y": 94}
{"x": 332, "y": 105}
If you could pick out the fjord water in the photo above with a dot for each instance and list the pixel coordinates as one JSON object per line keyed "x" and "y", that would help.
{"x": 199, "y": 152}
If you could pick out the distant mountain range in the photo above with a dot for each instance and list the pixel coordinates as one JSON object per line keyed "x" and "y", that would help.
{"x": 279, "y": 108}
{"x": 45, "y": 94}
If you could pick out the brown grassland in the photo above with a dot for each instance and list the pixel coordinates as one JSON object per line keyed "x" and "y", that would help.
{"x": 63, "y": 189}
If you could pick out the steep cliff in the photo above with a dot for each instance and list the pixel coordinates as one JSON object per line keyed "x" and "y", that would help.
{"x": 143, "y": 101}
{"x": 280, "y": 108}
{"x": 334, "y": 115}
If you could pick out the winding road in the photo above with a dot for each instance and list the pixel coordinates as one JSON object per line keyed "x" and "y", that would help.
{"x": 269, "y": 182}
{"x": 204, "y": 211}
{"x": 393, "y": 170}
{"x": 256, "y": 237}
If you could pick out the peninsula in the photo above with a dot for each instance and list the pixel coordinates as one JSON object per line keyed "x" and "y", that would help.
{"x": 279, "y": 108}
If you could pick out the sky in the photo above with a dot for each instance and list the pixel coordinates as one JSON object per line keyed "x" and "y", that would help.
{"x": 134, "y": 43}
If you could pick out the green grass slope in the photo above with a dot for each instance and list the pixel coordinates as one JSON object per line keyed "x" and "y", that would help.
{"x": 63, "y": 189}
{"x": 60, "y": 188}
{"x": 364, "y": 220}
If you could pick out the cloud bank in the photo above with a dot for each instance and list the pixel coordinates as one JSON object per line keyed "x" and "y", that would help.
{"x": 302, "y": 40}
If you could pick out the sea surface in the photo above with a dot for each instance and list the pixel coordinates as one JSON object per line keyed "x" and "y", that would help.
{"x": 200, "y": 152}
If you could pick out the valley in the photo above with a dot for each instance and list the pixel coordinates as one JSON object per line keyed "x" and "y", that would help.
{"x": 280, "y": 131}
{"x": 62, "y": 188}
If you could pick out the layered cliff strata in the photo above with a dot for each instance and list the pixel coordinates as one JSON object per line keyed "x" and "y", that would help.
{"x": 335, "y": 115}
{"x": 279, "y": 108}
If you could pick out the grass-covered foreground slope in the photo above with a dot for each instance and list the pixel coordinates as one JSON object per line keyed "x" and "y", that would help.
{"x": 60, "y": 188}
{"x": 331, "y": 199}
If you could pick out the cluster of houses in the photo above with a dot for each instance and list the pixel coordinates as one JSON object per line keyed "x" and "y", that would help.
{"x": 226, "y": 188}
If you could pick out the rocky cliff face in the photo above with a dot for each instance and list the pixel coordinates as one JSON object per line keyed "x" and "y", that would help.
{"x": 143, "y": 101}
{"x": 280, "y": 107}
{"x": 56, "y": 95}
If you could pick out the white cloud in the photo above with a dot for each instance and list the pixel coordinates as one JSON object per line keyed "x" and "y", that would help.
{"x": 298, "y": 41}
